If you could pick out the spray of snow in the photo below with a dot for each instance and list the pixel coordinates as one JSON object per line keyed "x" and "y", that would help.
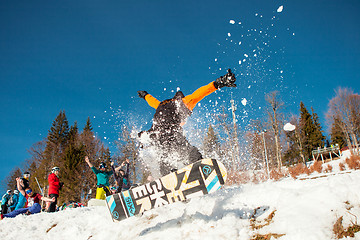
{"x": 280, "y": 9}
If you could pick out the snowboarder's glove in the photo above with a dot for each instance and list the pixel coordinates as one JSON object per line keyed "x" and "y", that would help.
{"x": 142, "y": 94}
{"x": 227, "y": 80}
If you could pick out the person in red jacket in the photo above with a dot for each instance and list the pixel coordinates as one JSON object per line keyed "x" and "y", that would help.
{"x": 54, "y": 187}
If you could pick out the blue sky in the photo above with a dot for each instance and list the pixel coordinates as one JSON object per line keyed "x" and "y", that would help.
{"x": 90, "y": 58}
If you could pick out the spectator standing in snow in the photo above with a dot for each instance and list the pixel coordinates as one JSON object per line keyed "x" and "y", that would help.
{"x": 4, "y": 202}
{"x": 121, "y": 177}
{"x": 33, "y": 202}
{"x": 54, "y": 187}
{"x": 13, "y": 200}
{"x": 102, "y": 177}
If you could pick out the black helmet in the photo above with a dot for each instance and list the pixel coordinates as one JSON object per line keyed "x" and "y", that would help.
{"x": 102, "y": 165}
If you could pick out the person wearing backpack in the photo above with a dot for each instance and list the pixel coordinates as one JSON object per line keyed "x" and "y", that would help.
{"x": 13, "y": 201}
{"x": 4, "y": 202}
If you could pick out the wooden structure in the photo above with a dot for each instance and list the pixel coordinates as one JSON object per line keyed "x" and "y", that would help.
{"x": 326, "y": 153}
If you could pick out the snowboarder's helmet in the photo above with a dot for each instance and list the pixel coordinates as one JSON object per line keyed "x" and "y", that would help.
{"x": 16, "y": 192}
{"x": 102, "y": 165}
{"x": 8, "y": 191}
{"x": 54, "y": 169}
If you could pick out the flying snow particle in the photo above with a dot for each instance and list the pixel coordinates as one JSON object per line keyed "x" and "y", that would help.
{"x": 239, "y": 62}
{"x": 215, "y": 59}
{"x": 244, "y": 101}
{"x": 229, "y": 34}
{"x": 289, "y": 127}
{"x": 280, "y": 9}
{"x": 232, "y": 22}
{"x": 239, "y": 43}
{"x": 246, "y": 55}
{"x": 178, "y": 89}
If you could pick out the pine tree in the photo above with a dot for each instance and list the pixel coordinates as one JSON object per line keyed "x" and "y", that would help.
{"x": 317, "y": 136}
{"x": 71, "y": 174}
{"x": 336, "y": 134}
{"x": 294, "y": 154}
{"x": 88, "y": 126}
{"x": 56, "y": 144}
{"x": 311, "y": 134}
{"x": 58, "y": 135}
{"x": 73, "y": 133}
{"x": 306, "y": 128}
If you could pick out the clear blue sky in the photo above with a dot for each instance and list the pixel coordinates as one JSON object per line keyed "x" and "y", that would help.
{"x": 89, "y": 58}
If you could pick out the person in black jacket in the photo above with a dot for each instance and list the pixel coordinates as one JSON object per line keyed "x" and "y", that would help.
{"x": 121, "y": 177}
{"x": 166, "y": 132}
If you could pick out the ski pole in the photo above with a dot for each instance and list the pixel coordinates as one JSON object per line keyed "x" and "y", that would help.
{"x": 42, "y": 192}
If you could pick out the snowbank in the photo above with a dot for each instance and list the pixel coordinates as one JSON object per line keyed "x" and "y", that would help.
{"x": 302, "y": 209}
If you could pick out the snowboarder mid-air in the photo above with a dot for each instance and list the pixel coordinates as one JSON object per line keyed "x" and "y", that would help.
{"x": 166, "y": 132}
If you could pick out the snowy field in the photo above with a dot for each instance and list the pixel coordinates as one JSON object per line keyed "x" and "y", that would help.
{"x": 299, "y": 209}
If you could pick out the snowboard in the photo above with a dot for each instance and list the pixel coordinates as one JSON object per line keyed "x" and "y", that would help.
{"x": 202, "y": 177}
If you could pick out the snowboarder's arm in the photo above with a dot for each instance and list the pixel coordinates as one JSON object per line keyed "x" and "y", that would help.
{"x": 153, "y": 102}
{"x": 192, "y": 99}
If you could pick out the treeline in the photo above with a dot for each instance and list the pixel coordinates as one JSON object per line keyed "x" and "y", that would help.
{"x": 262, "y": 144}
{"x": 266, "y": 138}
{"x": 66, "y": 147}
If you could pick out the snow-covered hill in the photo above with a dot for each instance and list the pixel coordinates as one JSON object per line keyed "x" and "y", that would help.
{"x": 299, "y": 209}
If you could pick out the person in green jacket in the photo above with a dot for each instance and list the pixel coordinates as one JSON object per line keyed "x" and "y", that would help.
{"x": 102, "y": 177}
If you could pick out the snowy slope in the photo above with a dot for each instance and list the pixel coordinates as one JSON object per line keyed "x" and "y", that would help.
{"x": 303, "y": 209}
